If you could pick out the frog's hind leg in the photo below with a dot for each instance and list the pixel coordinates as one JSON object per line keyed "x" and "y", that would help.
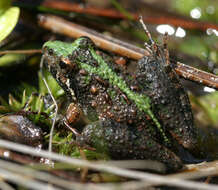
{"x": 121, "y": 141}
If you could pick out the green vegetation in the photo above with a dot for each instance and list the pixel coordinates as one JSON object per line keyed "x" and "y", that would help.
{"x": 8, "y": 18}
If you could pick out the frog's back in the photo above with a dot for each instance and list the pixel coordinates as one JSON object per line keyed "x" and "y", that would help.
{"x": 99, "y": 98}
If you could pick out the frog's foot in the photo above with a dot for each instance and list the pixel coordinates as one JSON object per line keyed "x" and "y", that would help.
{"x": 120, "y": 141}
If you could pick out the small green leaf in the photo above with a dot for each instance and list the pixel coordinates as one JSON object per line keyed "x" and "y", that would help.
{"x": 14, "y": 103}
{"x": 11, "y": 59}
{"x": 8, "y": 20}
{"x": 56, "y": 90}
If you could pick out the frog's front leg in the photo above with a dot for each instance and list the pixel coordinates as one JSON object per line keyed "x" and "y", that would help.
{"x": 74, "y": 116}
{"x": 120, "y": 141}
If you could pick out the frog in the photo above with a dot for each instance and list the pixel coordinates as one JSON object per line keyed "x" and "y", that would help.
{"x": 144, "y": 114}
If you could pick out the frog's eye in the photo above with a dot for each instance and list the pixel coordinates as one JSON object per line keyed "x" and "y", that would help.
{"x": 62, "y": 64}
{"x": 50, "y": 51}
{"x": 66, "y": 63}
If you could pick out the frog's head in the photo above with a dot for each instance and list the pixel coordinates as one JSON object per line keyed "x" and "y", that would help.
{"x": 59, "y": 55}
{"x": 62, "y": 59}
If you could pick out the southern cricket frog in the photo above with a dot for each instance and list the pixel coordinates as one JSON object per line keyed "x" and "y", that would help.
{"x": 143, "y": 114}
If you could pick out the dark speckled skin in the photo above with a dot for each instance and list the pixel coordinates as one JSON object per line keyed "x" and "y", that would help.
{"x": 170, "y": 101}
{"x": 121, "y": 141}
{"x": 120, "y": 128}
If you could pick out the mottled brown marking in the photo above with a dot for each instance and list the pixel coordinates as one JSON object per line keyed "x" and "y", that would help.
{"x": 72, "y": 113}
{"x": 66, "y": 60}
{"x": 94, "y": 90}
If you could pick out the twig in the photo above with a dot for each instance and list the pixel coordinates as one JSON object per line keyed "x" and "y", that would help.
{"x": 151, "y": 178}
{"x": 29, "y": 51}
{"x": 105, "y": 42}
{"x": 23, "y": 159}
{"x": 199, "y": 170}
{"x": 166, "y": 18}
{"x": 5, "y": 186}
{"x": 24, "y": 180}
{"x": 65, "y": 27}
{"x": 24, "y": 171}
{"x": 33, "y": 173}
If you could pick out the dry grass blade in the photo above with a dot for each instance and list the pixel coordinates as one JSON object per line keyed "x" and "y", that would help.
{"x": 150, "y": 178}
{"x": 5, "y": 186}
{"x": 65, "y": 27}
{"x": 24, "y": 180}
{"x": 203, "y": 169}
{"x": 41, "y": 176}
{"x": 54, "y": 102}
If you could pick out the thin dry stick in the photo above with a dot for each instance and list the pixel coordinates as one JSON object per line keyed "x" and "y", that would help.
{"x": 151, "y": 178}
{"x": 5, "y": 186}
{"x": 164, "y": 18}
{"x": 70, "y": 29}
{"x": 29, "y": 51}
{"x": 55, "y": 103}
{"x": 166, "y": 51}
{"x": 25, "y": 181}
{"x": 153, "y": 44}
{"x": 33, "y": 173}
{"x": 146, "y": 30}
{"x": 198, "y": 170}
{"x": 128, "y": 164}
{"x": 22, "y": 159}
{"x": 65, "y": 27}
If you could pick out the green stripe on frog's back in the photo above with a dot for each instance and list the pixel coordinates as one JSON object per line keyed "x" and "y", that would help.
{"x": 105, "y": 72}
{"x": 62, "y": 49}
